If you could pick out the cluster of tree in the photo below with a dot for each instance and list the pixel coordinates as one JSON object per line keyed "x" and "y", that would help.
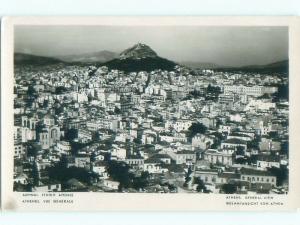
{"x": 230, "y": 188}
{"x": 60, "y": 90}
{"x": 212, "y": 92}
{"x": 31, "y": 91}
{"x": 119, "y": 171}
{"x": 71, "y": 134}
{"x": 196, "y": 128}
{"x": 200, "y": 185}
{"x": 284, "y": 148}
{"x": 281, "y": 174}
{"x": 60, "y": 172}
{"x": 22, "y": 187}
{"x": 282, "y": 93}
{"x": 32, "y": 148}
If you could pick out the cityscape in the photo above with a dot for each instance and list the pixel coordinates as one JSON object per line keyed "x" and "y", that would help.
{"x": 139, "y": 122}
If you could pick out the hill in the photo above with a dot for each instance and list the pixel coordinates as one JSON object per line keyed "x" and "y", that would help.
{"x": 27, "y": 59}
{"x": 140, "y": 57}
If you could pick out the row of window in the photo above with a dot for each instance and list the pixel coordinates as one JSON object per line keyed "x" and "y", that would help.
{"x": 257, "y": 179}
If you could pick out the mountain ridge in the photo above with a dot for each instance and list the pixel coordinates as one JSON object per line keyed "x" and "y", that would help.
{"x": 141, "y": 57}
{"x": 99, "y": 56}
{"x": 28, "y": 59}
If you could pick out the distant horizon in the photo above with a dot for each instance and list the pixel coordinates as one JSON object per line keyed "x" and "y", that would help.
{"x": 223, "y": 46}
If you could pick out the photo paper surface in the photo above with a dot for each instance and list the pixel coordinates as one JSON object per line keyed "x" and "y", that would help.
{"x": 150, "y": 113}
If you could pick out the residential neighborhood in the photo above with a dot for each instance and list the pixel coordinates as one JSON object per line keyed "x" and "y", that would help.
{"x": 91, "y": 128}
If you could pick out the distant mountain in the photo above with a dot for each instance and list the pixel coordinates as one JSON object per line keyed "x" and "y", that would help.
{"x": 281, "y": 66}
{"x": 140, "y": 57}
{"x": 94, "y": 57}
{"x": 27, "y": 59}
{"x": 276, "y": 67}
{"x": 200, "y": 65}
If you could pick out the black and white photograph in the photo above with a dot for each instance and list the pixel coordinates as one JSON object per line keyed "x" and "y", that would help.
{"x": 151, "y": 109}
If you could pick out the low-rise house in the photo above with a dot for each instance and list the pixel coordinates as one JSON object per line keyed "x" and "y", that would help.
{"x": 267, "y": 144}
{"x": 63, "y": 147}
{"x": 148, "y": 138}
{"x": 215, "y": 176}
{"x": 135, "y": 161}
{"x": 84, "y": 136}
{"x": 111, "y": 184}
{"x": 183, "y": 157}
{"x": 219, "y": 156}
{"x": 75, "y": 185}
{"x": 239, "y": 136}
{"x": 170, "y": 137}
{"x": 21, "y": 179}
{"x": 257, "y": 176}
{"x": 19, "y": 150}
{"x": 202, "y": 141}
{"x": 165, "y": 158}
{"x": 234, "y": 143}
{"x": 153, "y": 165}
{"x": 99, "y": 168}
{"x": 119, "y": 153}
{"x": 268, "y": 161}
{"x": 51, "y": 187}
{"x": 82, "y": 161}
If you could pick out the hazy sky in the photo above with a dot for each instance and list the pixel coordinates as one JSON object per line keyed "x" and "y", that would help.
{"x": 228, "y": 46}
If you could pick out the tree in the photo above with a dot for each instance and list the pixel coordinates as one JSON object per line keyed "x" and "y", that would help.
{"x": 35, "y": 175}
{"x": 188, "y": 177}
{"x": 31, "y": 91}
{"x": 59, "y": 109}
{"x": 281, "y": 174}
{"x": 229, "y": 188}
{"x": 45, "y": 103}
{"x": 284, "y": 148}
{"x": 241, "y": 160}
{"x": 71, "y": 134}
{"x": 60, "y": 172}
{"x": 200, "y": 185}
{"x": 240, "y": 150}
{"x": 282, "y": 93}
{"x": 212, "y": 92}
{"x": 60, "y": 90}
{"x": 142, "y": 181}
{"x": 32, "y": 149}
{"x": 96, "y": 136}
{"x": 119, "y": 171}
{"x": 253, "y": 144}
{"x": 117, "y": 111}
{"x": 196, "y": 128}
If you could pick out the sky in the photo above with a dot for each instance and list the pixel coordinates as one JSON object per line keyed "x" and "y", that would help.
{"x": 226, "y": 46}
